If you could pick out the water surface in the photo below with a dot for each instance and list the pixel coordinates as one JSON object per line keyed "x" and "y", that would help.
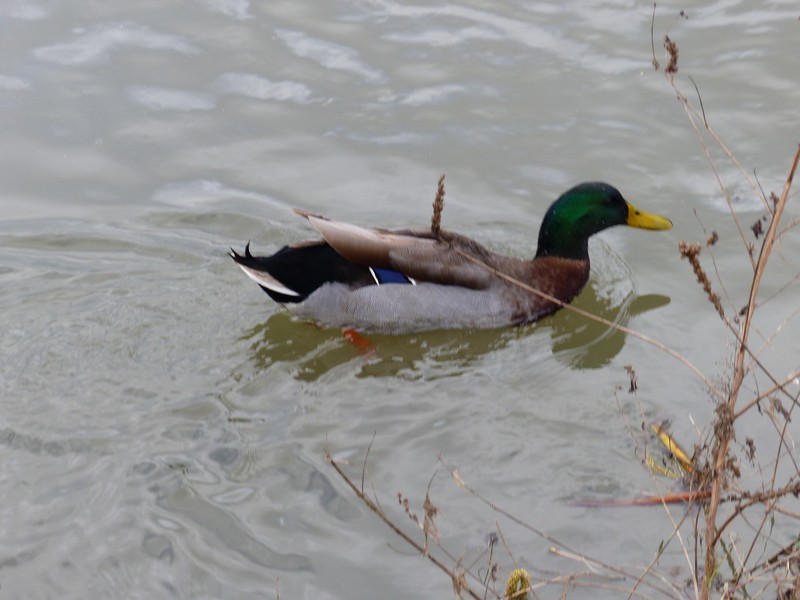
{"x": 164, "y": 426}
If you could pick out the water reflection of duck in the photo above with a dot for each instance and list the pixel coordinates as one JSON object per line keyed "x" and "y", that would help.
{"x": 401, "y": 281}
{"x": 585, "y": 344}
{"x": 575, "y": 341}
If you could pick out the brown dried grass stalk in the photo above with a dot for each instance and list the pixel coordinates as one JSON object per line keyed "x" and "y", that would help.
{"x": 724, "y": 430}
{"x": 691, "y": 252}
{"x": 456, "y": 574}
{"x": 438, "y": 207}
{"x": 720, "y": 465}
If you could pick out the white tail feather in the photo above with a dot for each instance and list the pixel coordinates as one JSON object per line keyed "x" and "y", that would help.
{"x": 268, "y": 281}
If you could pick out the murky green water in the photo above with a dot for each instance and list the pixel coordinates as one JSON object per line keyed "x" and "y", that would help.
{"x": 163, "y": 425}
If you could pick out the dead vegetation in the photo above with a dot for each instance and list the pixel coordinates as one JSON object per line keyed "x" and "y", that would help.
{"x": 438, "y": 207}
{"x": 715, "y": 505}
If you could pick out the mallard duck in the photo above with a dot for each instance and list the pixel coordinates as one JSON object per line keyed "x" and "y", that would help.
{"x": 404, "y": 280}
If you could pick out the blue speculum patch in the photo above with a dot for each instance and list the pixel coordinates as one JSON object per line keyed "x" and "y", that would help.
{"x": 384, "y": 276}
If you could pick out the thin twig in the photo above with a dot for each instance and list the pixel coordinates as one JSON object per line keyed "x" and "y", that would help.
{"x": 375, "y": 509}
{"x": 691, "y": 110}
{"x": 366, "y": 456}
{"x": 675, "y": 533}
{"x": 656, "y": 65}
{"x": 707, "y": 152}
{"x": 794, "y": 489}
{"x": 505, "y": 545}
{"x": 710, "y": 241}
{"x": 760, "y": 187}
{"x": 715, "y": 300}
{"x": 767, "y": 394}
{"x": 592, "y": 566}
{"x": 610, "y": 568}
{"x": 700, "y": 98}
{"x": 753, "y": 499}
{"x": 723, "y": 429}
{"x": 716, "y": 391}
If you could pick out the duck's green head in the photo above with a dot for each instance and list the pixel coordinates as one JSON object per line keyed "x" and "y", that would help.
{"x": 583, "y": 211}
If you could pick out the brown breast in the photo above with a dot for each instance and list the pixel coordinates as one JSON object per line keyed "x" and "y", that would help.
{"x": 562, "y": 278}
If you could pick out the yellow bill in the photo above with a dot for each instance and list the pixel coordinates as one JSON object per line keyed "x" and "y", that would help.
{"x": 644, "y": 220}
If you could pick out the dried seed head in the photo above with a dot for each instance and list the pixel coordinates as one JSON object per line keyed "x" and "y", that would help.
{"x": 438, "y": 206}
{"x": 672, "y": 55}
{"x": 691, "y": 252}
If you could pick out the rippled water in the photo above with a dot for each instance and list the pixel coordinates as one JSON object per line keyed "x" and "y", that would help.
{"x": 163, "y": 426}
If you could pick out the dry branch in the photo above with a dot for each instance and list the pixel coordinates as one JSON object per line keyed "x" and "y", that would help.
{"x": 457, "y": 577}
{"x": 633, "y": 333}
{"x": 724, "y": 431}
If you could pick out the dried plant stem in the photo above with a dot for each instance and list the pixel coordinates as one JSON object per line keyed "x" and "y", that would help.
{"x": 692, "y": 113}
{"x": 656, "y": 64}
{"x": 700, "y": 99}
{"x": 757, "y": 498}
{"x": 779, "y": 386}
{"x": 690, "y": 110}
{"x": 594, "y": 564}
{"x": 573, "y": 580}
{"x": 691, "y": 252}
{"x": 438, "y": 207}
{"x": 455, "y": 577}
{"x": 676, "y": 532}
{"x": 789, "y": 488}
{"x": 713, "y": 388}
{"x": 725, "y": 414}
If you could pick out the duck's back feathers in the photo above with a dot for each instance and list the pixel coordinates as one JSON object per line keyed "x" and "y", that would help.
{"x": 361, "y": 245}
{"x": 414, "y": 253}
